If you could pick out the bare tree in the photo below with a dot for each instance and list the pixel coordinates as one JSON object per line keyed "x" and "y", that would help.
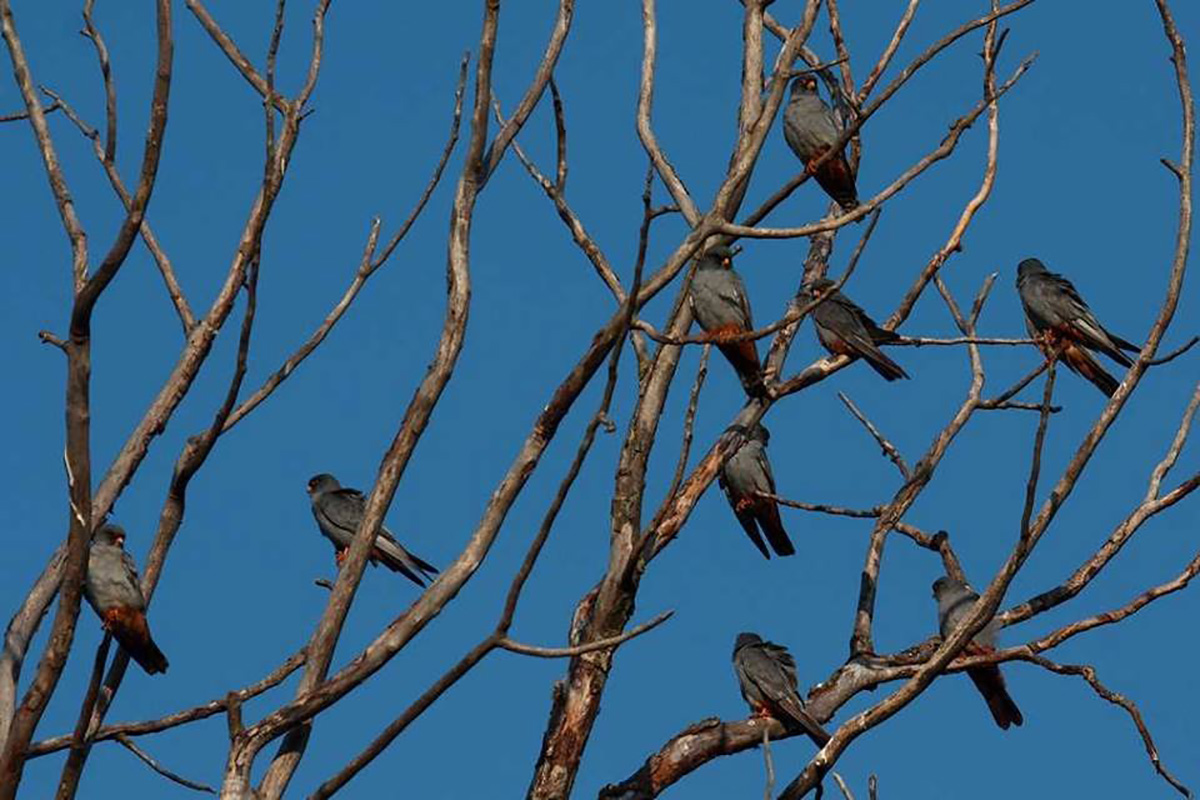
{"x": 603, "y": 618}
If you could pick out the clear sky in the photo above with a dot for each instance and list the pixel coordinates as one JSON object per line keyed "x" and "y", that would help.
{"x": 1079, "y": 185}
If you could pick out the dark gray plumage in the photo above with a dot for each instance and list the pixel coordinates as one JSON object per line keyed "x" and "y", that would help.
{"x": 1058, "y": 316}
{"x": 955, "y": 600}
{"x": 811, "y": 129}
{"x": 339, "y": 510}
{"x": 845, "y": 329}
{"x": 719, "y": 303}
{"x": 766, "y": 674}
{"x": 745, "y": 473}
{"x": 112, "y": 588}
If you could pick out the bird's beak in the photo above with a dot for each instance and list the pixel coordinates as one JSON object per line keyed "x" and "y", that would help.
{"x": 120, "y": 540}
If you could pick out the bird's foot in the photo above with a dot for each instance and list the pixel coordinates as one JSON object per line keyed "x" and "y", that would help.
{"x": 340, "y": 556}
{"x": 742, "y": 504}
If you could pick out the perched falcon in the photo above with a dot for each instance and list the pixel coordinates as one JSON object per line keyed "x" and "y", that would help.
{"x": 112, "y": 589}
{"x": 955, "y": 601}
{"x": 719, "y": 304}
{"x": 846, "y": 330}
{"x": 766, "y": 673}
{"x": 745, "y": 473}
{"x": 1056, "y": 315}
{"x": 339, "y": 511}
{"x": 811, "y": 129}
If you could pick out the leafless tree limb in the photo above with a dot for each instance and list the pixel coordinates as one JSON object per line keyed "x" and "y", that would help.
{"x": 128, "y": 744}
{"x": 1088, "y": 673}
{"x": 234, "y": 55}
{"x": 590, "y": 647}
{"x": 87, "y": 291}
{"x": 888, "y": 448}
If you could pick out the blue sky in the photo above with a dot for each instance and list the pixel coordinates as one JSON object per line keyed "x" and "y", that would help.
{"x": 1079, "y": 186}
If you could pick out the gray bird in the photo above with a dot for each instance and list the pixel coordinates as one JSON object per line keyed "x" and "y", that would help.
{"x": 766, "y": 673}
{"x": 955, "y": 600}
{"x": 1056, "y": 315}
{"x": 339, "y": 511}
{"x": 743, "y": 475}
{"x": 810, "y": 130}
{"x": 113, "y": 590}
{"x": 845, "y": 329}
{"x": 719, "y": 303}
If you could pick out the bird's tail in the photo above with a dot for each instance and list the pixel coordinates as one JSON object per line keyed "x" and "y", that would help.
{"x": 772, "y": 525}
{"x": 836, "y": 178}
{"x": 806, "y": 723}
{"x": 744, "y": 358}
{"x": 1081, "y": 362}
{"x": 889, "y": 370}
{"x": 990, "y": 684}
{"x": 129, "y": 627}
{"x": 1122, "y": 344}
{"x": 397, "y": 559}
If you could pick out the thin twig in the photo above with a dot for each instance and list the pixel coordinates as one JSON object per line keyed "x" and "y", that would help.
{"x": 921, "y": 341}
{"x": 588, "y": 647}
{"x": 1000, "y": 399}
{"x": 689, "y": 422}
{"x": 1035, "y": 464}
{"x": 769, "y": 789}
{"x": 1088, "y": 673}
{"x": 888, "y": 448}
{"x": 838, "y": 511}
{"x": 160, "y": 769}
{"x": 220, "y": 705}
{"x": 846, "y": 793}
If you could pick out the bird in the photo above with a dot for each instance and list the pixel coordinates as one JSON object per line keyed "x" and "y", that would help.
{"x": 810, "y": 130}
{"x": 1061, "y": 321}
{"x": 766, "y": 674}
{"x": 719, "y": 303}
{"x": 339, "y": 510}
{"x": 113, "y": 590}
{"x": 845, "y": 329}
{"x": 746, "y": 472}
{"x": 955, "y": 601}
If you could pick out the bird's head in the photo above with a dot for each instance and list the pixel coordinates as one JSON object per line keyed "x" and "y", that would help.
{"x": 110, "y": 533}
{"x": 946, "y": 585}
{"x": 324, "y": 482}
{"x": 746, "y": 639}
{"x": 717, "y": 257}
{"x": 804, "y": 84}
{"x": 1030, "y": 266}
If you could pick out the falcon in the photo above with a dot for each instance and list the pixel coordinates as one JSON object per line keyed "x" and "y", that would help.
{"x": 339, "y": 510}
{"x": 743, "y": 475}
{"x": 1058, "y": 318}
{"x": 955, "y": 601}
{"x": 766, "y": 673}
{"x": 718, "y": 299}
{"x": 846, "y": 330}
{"x": 810, "y": 130}
{"x": 113, "y": 590}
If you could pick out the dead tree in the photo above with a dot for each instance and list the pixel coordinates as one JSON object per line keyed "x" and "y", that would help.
{"x": 603, "y": 618}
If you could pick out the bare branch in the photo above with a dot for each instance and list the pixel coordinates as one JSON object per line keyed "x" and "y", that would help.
{"x": 235, "y": 56}
{"x": 110, "y": 86}
{"x": 369, "y": 263}
{"x": 888, "y": 448}
{"x": 885, "y": 57}
{"x": 160, "y": 769}
{"x": 1088, "y": 673}
{"x": 218, "y": 706}
{"x": 589, "y": 647}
